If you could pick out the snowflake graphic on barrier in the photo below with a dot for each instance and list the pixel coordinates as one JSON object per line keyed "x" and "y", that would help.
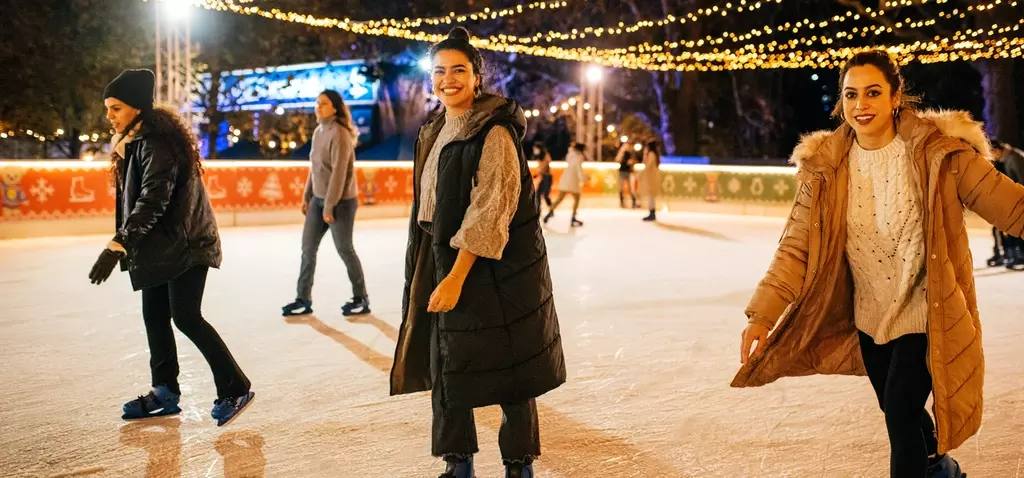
{"x": 244, "y": 187}
{"x": 297, "y": 186}
{"x": 690, "y": 184}
{"x": 42, "y": 190}
{"x": 781, "y": 187}
{"x": 390, "y": 184}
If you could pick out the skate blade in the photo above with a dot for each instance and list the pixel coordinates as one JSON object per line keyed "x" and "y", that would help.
{"x": 166, "y": 412}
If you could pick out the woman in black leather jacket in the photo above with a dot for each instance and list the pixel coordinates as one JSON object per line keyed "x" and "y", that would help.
{"x": 167, "y": 240}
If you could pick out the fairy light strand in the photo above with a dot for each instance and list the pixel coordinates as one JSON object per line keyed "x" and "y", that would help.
{"x": 1008, "y": 47}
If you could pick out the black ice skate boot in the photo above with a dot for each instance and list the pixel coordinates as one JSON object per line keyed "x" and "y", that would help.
{"x": 651, "y": 217}
{"x": 356, "y": 306}
{"x": 945, "y": 467}
{"x": 1013, "y": 259}
{"x": 299, "y": 307}
{"x": 519, "y": 469}
{"x": 457, "y": 467}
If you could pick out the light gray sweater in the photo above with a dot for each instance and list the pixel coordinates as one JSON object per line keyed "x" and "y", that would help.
{"x": 332, "y": 163}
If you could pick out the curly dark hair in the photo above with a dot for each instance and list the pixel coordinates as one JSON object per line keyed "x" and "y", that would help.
{"x": 169, "y": 129}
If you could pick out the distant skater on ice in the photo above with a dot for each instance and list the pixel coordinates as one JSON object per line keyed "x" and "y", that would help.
{"x": 329, "y": 204}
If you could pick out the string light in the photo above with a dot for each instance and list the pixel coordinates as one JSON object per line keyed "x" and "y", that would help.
{"x": 939, "y": 50}
{"x": 622, "y": 29}
{"x": 775, "y": 45}
{"x": 486, "y": 14}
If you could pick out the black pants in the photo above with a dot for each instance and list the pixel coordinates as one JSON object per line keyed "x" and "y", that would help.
{"x": 544, "y": 189}
{"x": 182, "y": 299}
{"x": 900, "y": 377}
{"x": 454, "y": 430}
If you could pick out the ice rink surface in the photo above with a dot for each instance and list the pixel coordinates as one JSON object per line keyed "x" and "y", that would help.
{"x": 650, "y": 315}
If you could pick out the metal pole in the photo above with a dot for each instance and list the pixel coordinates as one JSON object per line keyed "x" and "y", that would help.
{"x": 600, "y": 124}
{"x": 188, "y": 66}
{"x": 591, "y": 122}
{"x": 579, "y": 103}
{"x": 176, "y": 68}
{"x": 159, "y": 70}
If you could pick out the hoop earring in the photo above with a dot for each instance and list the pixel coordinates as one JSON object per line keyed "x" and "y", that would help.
{"x": 477, "y": 91}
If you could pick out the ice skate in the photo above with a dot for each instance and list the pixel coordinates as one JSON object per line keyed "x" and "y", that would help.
{"x": 160, "y": 402}
{"x": 519, "y": 470}
{"x": 995, "y": 261}
{"x": 945, "y": 467}
{"x": 575, "y": 222}
{"x": 299, "y": 307}
{"x": 458, "y": 468}
{"x": 225, "y": 410}
{"x": 356, "y": 306}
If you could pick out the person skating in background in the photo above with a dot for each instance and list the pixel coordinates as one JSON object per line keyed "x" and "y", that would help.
{"x": 543, "y": 158}
{"x": 625, "y": 159}
{"x": 570, "y": 183}
{"x": 330, "y": 203}
{"x": 650, "y": 177}
{"x": 167, "y": 240}
{"x": 873, "y": 270}
{"x": 479, "y": 325}
{"x": 1011, "y": 161}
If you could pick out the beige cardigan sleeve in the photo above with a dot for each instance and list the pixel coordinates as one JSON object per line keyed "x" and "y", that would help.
{"x": 494, "y": 199}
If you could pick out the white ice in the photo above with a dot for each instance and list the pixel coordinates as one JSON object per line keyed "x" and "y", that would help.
{"x": 650, "y": 314}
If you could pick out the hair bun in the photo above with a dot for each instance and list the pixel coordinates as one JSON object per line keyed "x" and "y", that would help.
{"x": 458, "y": 33}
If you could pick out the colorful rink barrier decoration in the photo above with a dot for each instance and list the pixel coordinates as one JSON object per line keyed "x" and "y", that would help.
{"x": 47, "y": 190}
{"x": 42, "y": 198}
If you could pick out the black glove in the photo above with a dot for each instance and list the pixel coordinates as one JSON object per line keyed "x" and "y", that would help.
{"x": 104, "y": 265}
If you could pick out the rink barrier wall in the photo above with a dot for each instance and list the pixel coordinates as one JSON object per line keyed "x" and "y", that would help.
{"x": 61, "y": 198}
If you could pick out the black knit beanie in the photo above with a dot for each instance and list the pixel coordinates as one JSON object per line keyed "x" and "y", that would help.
{"x": 134, "y": 88}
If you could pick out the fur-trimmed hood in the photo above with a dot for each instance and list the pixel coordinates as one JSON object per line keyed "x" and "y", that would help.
{"x": 827, "y": 148}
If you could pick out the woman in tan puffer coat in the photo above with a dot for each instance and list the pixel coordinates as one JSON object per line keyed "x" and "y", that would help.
{"x": 873, "y": 274}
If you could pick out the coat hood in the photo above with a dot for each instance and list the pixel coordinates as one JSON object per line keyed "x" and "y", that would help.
{"x": 487, "y": 109}
{"x": 825, "y": 147}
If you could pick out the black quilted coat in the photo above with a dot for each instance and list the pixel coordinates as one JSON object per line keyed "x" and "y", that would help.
{"x": 164, "y": 217}
{"x": 501, "y": 342}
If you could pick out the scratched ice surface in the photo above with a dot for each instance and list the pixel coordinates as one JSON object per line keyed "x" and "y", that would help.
{"x": 650, "y": 315}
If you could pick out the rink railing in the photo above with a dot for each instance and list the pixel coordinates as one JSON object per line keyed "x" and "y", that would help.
{"x": 76, "y": 197}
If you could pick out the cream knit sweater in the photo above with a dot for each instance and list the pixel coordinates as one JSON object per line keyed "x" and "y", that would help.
{"x": 885, "y": 243}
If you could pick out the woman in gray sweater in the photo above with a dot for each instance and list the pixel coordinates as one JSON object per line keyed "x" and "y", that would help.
{"x": 330, "y": 203}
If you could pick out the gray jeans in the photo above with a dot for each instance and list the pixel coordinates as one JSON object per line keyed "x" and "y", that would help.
{"x": 313, "y": 232}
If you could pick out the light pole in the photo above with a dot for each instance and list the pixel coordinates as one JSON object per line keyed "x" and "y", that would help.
{"x": 174, "y": 53}
{"x": 595, "y": 117}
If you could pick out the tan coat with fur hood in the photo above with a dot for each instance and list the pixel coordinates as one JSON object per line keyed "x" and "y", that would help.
{"x": 810, "y": 287}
